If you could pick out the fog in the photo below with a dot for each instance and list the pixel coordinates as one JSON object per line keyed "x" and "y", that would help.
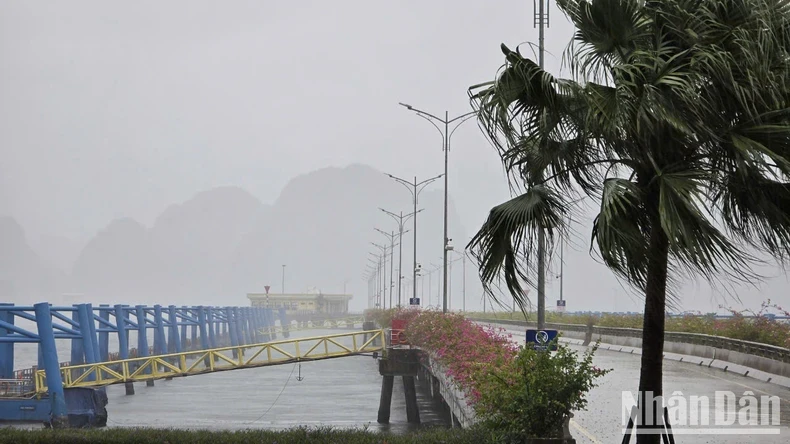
{"x": 181, "y": 152}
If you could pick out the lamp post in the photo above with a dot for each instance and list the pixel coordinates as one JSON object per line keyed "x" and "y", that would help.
{"x": 392, "y": 236}
{"x": 541, "y": 20}
{"x": 415, "y": 189}
{"x": 283, "y": 289}
{"x": 446, "y": 136}
{"x": 463, "y": 286}
{"x": 401, "y": 219}
{"x": 377, "y": 281}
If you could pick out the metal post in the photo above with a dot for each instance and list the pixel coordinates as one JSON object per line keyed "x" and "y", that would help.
{"x": 446, "y": 137}
{"x": 400, "y": 259}
{"x": 283, "y": 279}
{"x": 446, "y": 236}
{"x": 562, "y": 264}
{"x": 88, "y": 343}
{"x": 211, "y": 320}
{"x": 542, "y": 20}
{"x": 104, "y": 336}
{"x": 142, "y": 334}
{"x": 160, "y": 346}
{"x": 202, "y": 326}
{"x": 174, "y": 344}
{"x": 123, "y": 334}
{"x": 49, "y": 354}
{"x": 184, "y": 346}
{"x": 463, "y": 290}
{"x": 414, "y": 267}
{"x": 77, "y": 352}
{"x": 6, "y": 348}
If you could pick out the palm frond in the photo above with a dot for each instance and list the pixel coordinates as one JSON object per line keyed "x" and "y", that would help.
{"x": 510, "y": 235}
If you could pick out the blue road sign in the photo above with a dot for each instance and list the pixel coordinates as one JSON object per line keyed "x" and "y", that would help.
{"x": 414, "y": 301}
{"x": 541, "y": 339}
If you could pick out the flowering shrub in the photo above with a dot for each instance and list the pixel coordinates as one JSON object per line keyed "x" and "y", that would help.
{"x": 383, "y": 318}
{"x": 465, "y": 349}
{"x": 516, "y": 393}
{"x": 533, "y": 394}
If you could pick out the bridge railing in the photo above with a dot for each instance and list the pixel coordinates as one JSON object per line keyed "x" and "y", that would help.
{"x": 217, "y": 359}
{"x": 747, "y": 347}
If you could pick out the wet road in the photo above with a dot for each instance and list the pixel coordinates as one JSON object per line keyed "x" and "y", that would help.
{"x": 603, "y": 422}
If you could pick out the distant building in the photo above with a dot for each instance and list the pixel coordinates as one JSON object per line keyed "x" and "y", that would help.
{"x": 302, "y": 303}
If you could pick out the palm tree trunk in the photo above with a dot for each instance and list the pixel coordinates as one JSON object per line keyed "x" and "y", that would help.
{"x": 650, "y": 380}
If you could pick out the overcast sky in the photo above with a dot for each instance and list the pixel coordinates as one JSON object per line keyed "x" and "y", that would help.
{"x": 111, "y": 109}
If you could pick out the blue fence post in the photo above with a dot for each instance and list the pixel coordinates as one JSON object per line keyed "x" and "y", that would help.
{"x": 77, "y": 353}
{"x": 264, "y": 325}
{"x": 193, "y": 336}
{"x": 245, "y": 325}
{"x": 121, "y": 316}
{"x": 88, "y": 343}
{"x": 202, "y": 326}
{"x": 49, "y": 354}
{"x": 142, "y": 339}
{"x": 104, "y": 336}
{"x": 174, "y": 343}
{"x": 284, "y": 323}
{"x": 184, "y": 346}
{"x": 239, "y": 332}
{"x": 6, "y": 348}
{"x": 94, "y": 336}
{"x": 212, "y": 339}
{"x": 254, "y": 325}
{"x": 231, "y": 330}
{"x": 160, "y": 345}
{"x": 256, "y": 335}
{"x": 123, "y": 334}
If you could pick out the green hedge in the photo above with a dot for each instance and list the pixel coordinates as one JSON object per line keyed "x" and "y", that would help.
{"x": 293, "y": 436}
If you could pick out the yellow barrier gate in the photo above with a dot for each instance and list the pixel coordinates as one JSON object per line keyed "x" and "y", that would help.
{"x": 218, "y": 359}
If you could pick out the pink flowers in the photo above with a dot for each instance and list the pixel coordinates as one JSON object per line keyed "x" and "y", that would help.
{"x": 465, "y": 349}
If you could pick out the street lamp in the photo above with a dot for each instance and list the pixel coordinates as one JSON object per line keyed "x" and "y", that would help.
{"x": 463, "y": 291}
{"x": 415, "y": 189}
{"x": 392, "y": 236}
{"x": 446, "y": 136}
{"x": 401, "y": 219}
{"x": 378, "y": 285}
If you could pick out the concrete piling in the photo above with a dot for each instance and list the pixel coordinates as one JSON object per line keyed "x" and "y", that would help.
{"x": 387, "y": 382}
{"x": 412, "y": 409}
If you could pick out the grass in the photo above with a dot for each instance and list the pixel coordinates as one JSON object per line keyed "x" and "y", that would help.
{"x": 292, "y": 436}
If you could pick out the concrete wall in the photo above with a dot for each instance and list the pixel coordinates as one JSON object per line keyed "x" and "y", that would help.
{"x": 762, "y": 357}
{"x": 462, "y": 411}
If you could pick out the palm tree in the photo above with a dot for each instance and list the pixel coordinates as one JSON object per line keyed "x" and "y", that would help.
{"x": 676, "y": 120}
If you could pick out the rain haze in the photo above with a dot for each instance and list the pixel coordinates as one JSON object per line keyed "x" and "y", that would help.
{"x": 182, "y": 152}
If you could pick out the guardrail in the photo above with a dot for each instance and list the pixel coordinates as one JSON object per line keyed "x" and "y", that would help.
{"x": 16, "y": 388}
{"x": 773, "y": 353}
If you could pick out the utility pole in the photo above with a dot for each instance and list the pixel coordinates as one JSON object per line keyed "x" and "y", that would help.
{"x": 446, "y": 136}
{"x": 541, "y": 20}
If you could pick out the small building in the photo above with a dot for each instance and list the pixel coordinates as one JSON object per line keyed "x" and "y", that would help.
{"x": 302, "y": 303}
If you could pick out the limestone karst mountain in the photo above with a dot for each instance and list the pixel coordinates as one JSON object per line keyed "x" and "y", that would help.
{"x": 24, "y": 276}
